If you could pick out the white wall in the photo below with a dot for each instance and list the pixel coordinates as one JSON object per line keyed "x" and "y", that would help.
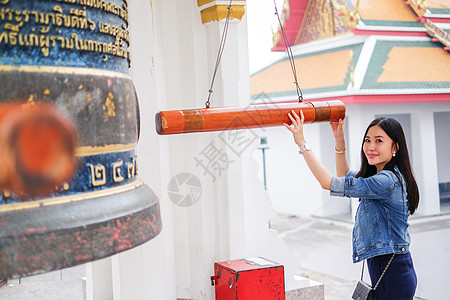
{"x": 290, "y": 184}
{"x": 135, "y": 270}
{"x": 147, "y": 271}
{"x": 176, "y": 54}
{"x": 442, "y": 123}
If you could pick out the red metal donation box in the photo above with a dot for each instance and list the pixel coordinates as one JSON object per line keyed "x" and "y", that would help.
{"x": 249, "y": 279}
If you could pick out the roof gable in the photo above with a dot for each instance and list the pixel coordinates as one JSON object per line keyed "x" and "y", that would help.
{"x": 321, "y": 21}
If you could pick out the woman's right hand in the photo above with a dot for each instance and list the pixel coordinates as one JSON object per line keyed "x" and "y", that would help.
{"x": 338, "y": 132}
{"x": 297, "y": 127}
{"x": 338, "y": 128}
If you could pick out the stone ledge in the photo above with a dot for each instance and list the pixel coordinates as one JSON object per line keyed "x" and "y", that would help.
{"x": 313, "y": 290}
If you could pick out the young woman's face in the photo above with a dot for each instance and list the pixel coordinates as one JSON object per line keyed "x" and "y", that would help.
{"x": 378, "y": 147}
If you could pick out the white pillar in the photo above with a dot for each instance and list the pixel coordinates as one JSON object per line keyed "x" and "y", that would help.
{"x": 356, "y": 123}
{"x": 425, "y": 161}
{"x": 147, "y": 271}
{"x": 213, "y": 229}
{"x": 244, "y": 229}
{"x": 99, "y": 280}
{"x": 173, "y": 57}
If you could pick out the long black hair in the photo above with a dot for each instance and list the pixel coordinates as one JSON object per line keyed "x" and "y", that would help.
{"x": 401, "y": 159}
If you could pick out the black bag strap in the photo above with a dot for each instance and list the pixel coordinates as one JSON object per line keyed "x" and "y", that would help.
{"x": 382, "y": 274}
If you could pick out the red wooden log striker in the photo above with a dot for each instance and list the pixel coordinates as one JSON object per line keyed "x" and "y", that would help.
{"x": 232, "y": 118}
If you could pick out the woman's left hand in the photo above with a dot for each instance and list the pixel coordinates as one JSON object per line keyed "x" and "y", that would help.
{"x": 297, "y": 127}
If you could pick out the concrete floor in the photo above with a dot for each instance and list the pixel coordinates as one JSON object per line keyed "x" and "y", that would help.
{"x": 322, "y": 246}
{"x": 65, "y": 284}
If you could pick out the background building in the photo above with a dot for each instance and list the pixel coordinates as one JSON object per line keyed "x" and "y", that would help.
{"x": 381, "y": 58}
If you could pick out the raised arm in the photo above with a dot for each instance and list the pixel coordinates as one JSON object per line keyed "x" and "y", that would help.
{"x": 341, "y": 158}
{"x": 319, "y": 171}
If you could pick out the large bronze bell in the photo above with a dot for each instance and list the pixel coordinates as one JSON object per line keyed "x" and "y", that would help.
{"x": 64, "y": 66}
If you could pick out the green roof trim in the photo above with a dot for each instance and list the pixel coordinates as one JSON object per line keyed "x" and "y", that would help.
{"x": 439, "y": 11}
{"x": 350, "y": 4}
{"x": 370, "y": 22}
{"x": 408, "y": 24}
{"x": 379, "y": 59}
{"x": 305, "y": 92}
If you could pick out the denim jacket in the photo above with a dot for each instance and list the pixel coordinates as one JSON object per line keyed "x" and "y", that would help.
{"x": 381, "y": 221}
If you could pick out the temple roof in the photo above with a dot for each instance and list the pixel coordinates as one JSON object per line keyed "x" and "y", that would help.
{"x": 407, "y": 65}
{"x": 326, "y": 70}
{"x": 438, "y": 7}
{"x": 305, "y": 21}
{"x": 385, "y": 10}
{"x": 392, "y": 49}
{"x": 388, "y": 15}
{"x": 291, "y": 18}
{"x": 388, "y": 67}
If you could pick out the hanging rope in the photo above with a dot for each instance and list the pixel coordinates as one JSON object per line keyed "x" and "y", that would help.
{"x": 219, "y": 55}
{"x": 290, "y": 56}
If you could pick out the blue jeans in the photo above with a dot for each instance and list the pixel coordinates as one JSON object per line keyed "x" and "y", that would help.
{"x": 399, "y": 281}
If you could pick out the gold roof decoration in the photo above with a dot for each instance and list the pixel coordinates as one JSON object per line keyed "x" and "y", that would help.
{"x": 285, "y": 14}
{"x": 438, "y": 34}
{"x": 351, "y": 17}
{"x": 419, "y": 6}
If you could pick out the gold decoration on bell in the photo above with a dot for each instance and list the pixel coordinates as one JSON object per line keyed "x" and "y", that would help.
{"x": 109, "y": 108}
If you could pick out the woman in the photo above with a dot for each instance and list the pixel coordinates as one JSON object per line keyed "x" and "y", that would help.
{"x": 388, "y": 195}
